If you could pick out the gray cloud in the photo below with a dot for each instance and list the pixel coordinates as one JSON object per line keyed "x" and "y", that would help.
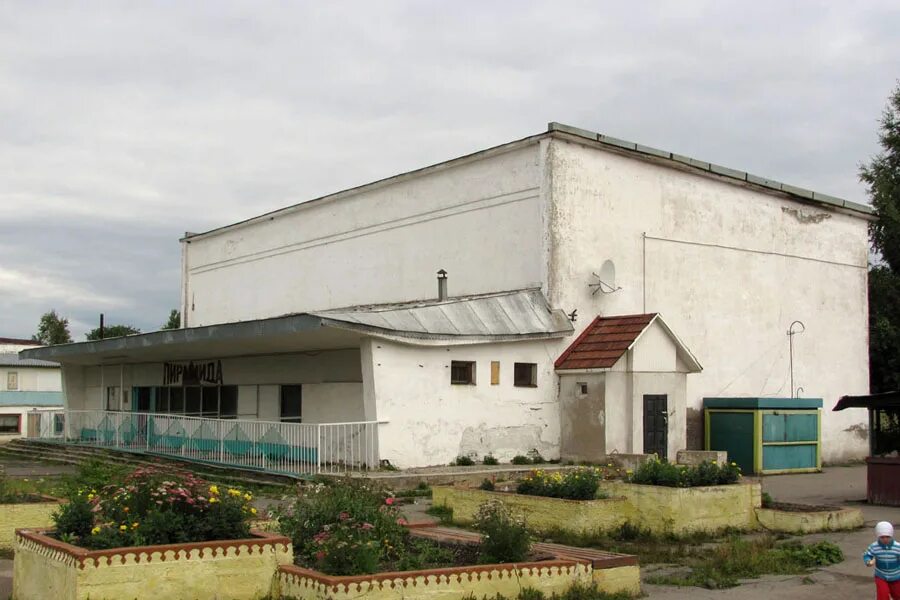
{"x": 122, "y": 125}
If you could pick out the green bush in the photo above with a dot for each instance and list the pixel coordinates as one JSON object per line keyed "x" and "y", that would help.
{"x": 520, "y": 460}
{"x": 349, "y": 515}
{"x": 664, "y": 473}
{"x": 463, "y": 461}
{"x": 505, "y": 538}
{"x": 577, "y": 484}
{"x": 154, "y": 507}
{"x": 489, "y": 459}
{"x": 487, "y": 485}
{"x": 536, "y": 458}
{"x": 767, "y": 500}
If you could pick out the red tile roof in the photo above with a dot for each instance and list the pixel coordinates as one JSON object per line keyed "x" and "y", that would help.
{"x": 603, "y": 342}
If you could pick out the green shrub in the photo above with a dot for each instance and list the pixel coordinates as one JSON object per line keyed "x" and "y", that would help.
{"x": 536, "y": 458}
{"x": 463, "y": 461}
{"x": 577, "y": 484}
{"x": 520, "y": 460}
{"x": 505, "y": 538}
{"x": 154, "y": 507}
{"x": 664, "y": 473}
{"x": 489, "y": 459}
{"x": 487, "y": 485}
{"x": 351, "y": 517}
{"x": 95, "y": 474}
{"x": 767, "y": 500}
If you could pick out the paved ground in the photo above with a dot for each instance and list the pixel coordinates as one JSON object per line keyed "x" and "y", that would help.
{"x": 849, "y": 579}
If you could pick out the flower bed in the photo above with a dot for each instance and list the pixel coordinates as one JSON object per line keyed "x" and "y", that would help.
{"x": 46, "y": 567}
{"x": 802, "y": 518}
{"x": 578, "y": 484}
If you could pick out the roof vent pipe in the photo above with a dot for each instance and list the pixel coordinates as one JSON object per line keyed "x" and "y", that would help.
{"x": 442, "y": 285}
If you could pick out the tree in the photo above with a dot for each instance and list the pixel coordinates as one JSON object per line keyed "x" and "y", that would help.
{"x": 174, "y": 321}
{"x": 111, "y": 331}
{"x": 52, "y": 330}
{"x": 882, "y": 177}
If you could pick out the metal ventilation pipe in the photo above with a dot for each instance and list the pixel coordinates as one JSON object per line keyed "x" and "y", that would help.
{"x": 442, "y": 285}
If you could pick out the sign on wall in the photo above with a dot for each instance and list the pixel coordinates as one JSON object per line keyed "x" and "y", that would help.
{"x": 192, "y": 373}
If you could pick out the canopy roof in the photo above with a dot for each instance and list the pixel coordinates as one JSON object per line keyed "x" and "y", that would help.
{"x": 871, "y": 401}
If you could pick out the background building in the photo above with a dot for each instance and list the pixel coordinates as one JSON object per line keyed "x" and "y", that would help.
{"x": 26, "y": 385}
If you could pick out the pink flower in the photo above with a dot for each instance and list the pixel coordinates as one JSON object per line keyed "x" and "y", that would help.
{"x": 344, "y": 516}
{"x": 389, "y": 501}
{"x": 366, "y": 526}
{"x": 401, "y": 521}
{"x": 320, "y": 555}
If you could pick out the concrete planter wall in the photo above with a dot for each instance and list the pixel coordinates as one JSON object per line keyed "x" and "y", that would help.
{"x": 581, "y": 516}
{"x": 659, "y": 509}
{"x": 812, "y": 521}
{"x": 687, "y": 510}
{"x": 240, "y": 569}
{"x": 25, "y": 514}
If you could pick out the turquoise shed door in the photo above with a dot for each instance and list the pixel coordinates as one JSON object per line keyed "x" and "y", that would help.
{"x": 733, "y": 432}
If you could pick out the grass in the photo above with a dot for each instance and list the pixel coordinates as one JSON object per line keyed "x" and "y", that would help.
{"x": 443, "y": 512}
{"x": 738, "y": 558}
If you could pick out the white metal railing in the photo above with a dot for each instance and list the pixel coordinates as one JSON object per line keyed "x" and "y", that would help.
{"x": 269, "y": 445}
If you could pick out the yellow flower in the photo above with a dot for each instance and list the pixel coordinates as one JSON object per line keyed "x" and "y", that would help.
{"x": 90, "y": 496}
{"x": 234, "y": 492}
{"x": 213, "y": 489}
{"x": 126, "y": 509}
{"x": 213, "y": 500}
{"x": 734, "y": 464}
{"x": 95, "y": 531}
{"x": 252, "y": 511}
{"x": 134, "y": 525}
{"x": 248, "y": 497}
{"x": 123, "y": 528}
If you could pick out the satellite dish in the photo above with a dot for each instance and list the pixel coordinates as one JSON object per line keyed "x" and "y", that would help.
{"x": 606, "y": 279}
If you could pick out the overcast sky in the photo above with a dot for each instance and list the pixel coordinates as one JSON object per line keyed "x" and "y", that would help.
{"x": 124, "y": 124}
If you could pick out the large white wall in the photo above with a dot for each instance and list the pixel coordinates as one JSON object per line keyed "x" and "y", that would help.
{"x": 429, "y": 421}
{"x": 733, "y": 269}
{"x": 478, "y": 219}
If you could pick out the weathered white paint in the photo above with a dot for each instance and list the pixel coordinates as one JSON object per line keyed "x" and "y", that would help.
{"x": 431, "y": 421}
{"x": 765, "y": 262}
{"x": 379, "y": 244}
{"x": 22, "y": 412}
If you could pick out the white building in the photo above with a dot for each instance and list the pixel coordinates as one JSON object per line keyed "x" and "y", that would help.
{"x": 26, "y": 386}
{"x": 326, "y": 311}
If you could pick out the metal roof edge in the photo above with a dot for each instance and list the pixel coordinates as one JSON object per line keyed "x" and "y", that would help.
{"x": 439, "y": 339}
{"x": 798, "y": 193}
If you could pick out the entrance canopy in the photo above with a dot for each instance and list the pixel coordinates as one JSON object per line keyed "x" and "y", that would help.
{"x": 507, "y": 316}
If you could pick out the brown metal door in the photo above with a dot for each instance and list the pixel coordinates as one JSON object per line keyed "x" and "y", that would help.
{"x": 34, "y": 425}
{"x": 656, "y": 425}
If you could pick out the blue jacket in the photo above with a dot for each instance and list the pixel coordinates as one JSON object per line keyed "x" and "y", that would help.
{"x": 887, "y": 560}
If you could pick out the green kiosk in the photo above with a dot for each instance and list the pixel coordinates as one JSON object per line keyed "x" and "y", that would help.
{"x": 766, "y": 435}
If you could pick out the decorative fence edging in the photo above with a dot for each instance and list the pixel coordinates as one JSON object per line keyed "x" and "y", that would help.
{"x": 25, "y": 514}
{"x": 45, "y": 567}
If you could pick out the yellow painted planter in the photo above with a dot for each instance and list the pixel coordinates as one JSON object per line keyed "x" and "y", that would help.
{"x": 28, "y": 514}
{"x": 581, "y": 516}
{"x": 659, "y": 509}
{"x": 837, "y": 519}
{"x": 236, "y": 569}
{"x": 687, "y": 510}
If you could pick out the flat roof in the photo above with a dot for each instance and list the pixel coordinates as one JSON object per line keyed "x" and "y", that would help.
{"x": 635, "y": 149}
{"x": 763, "y": 403}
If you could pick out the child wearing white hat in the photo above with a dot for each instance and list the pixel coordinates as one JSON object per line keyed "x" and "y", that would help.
{"x": 884, "y": 555}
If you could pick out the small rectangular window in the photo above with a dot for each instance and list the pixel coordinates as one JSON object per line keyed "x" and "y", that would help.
{"x": 495, "y": 372}
{"x": 292, "y": 403}
{"x": 525, "y": 375}
{"x": 9, "y": 424}
{"x": 462, "y": 372}
{"x": 12, "y": 380}
{"x": 582, "y": 388}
